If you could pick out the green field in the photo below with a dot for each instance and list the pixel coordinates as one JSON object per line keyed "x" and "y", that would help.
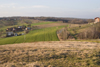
{"x": 41, "y": 23}
{"x": 46, "y": 34}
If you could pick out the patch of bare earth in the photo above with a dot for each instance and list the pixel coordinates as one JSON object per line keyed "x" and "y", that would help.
{"x": 52, "y": 25}
{"x": 30, "y": 54}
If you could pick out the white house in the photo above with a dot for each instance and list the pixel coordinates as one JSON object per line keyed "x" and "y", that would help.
{"x": 10, "y": 34}
{"x": 97, "y": 19}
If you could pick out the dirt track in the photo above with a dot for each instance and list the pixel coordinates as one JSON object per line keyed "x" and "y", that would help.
{"x": 18, "y": 54}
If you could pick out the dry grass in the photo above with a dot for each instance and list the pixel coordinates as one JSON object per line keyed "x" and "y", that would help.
{"x": 50, "y": 54}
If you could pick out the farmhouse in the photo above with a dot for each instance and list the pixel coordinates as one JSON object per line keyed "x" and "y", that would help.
{"x": 9, "y": 29}
{"x": 9, "y": 34}
{"x": 14, "y": 29}
{"x": 27, "y": 28}
{"x": 19, "y": 26}
{"x": 97, "y": 19}
{"x": 17, "y": 29}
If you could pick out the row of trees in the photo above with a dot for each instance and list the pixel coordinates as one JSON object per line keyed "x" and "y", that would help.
{"x": 65, "y": 20}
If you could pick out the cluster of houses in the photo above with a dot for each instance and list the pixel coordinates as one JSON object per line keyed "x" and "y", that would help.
{"x": 13, "y": 30}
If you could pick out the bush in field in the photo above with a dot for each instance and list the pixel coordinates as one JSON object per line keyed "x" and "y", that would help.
{"x": 64, "y": 34}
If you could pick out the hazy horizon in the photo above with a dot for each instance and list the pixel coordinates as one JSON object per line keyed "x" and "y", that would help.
{"x": 50, "y": 8}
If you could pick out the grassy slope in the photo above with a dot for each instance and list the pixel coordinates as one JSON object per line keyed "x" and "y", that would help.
{"x": 46, "y": 34}
{"x": 20, "y": 24}
{"x": 78, "y": 30}
{"x": 41, "y": 23}
{"x": 75, "y": 30}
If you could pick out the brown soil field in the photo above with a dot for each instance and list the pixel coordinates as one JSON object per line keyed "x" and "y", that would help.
{"x": 29, "y": 54}
{"x": 58, "y": 24}
{"x": 52, "y": 25}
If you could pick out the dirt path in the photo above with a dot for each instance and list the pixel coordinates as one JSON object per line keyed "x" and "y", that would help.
{"x": 18, "y": 55}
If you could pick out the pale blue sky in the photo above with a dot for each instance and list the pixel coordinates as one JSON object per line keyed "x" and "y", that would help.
{"x": 50, "y": 8}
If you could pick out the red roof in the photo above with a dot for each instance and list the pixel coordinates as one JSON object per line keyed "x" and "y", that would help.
{"x": 96, "y": 17}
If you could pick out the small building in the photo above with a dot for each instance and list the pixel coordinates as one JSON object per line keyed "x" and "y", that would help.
{"x": 9, "y": 34}
{"x": 14, "y": 29}
{"x": 97, "y": 19}
{"x": 19, "y": 26}
{"x": 15, "y": 34}
{"x": 9, "y": 29}
{"x": 18, "y": 29}
{"x": 27, "y": 28}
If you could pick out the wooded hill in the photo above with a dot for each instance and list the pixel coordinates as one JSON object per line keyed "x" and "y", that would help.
{"x": 7, "y": 21}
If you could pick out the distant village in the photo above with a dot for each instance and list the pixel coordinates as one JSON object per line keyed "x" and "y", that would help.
{"x": 13, "y": 31}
